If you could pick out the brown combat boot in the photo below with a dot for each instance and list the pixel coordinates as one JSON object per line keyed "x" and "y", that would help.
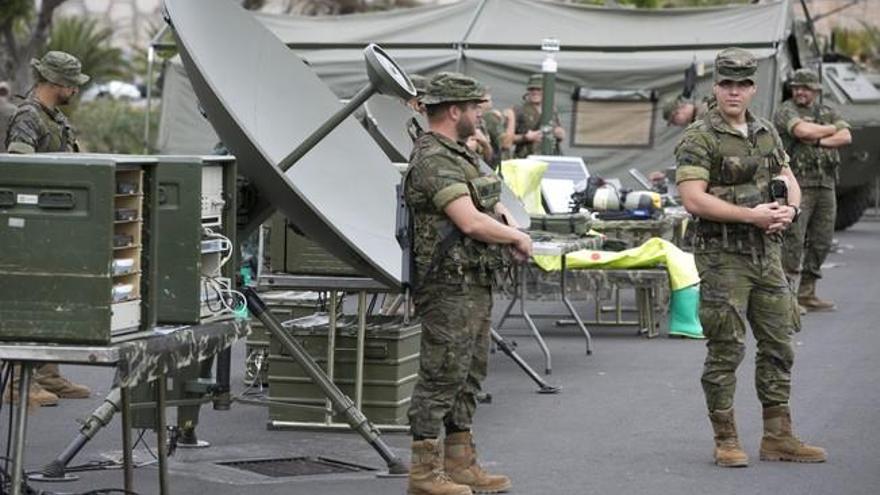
{"x": 808, "y": 299}
{"x": 460, "y": 461}
{"x": 728, "y": 451}
{"x": 37, "y": 396}
{"x": 49, "y": 377}
{"x": 426, "y": 474}
{"x": 780, "y": 444}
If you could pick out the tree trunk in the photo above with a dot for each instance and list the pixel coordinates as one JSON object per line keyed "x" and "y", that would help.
{"x": 20, "y": 54}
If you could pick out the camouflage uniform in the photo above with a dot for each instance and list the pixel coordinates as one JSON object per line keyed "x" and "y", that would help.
{"x": 7, "y": 110}
{"x": 36, "y": 128}
{"x": 494, "y": 126}
{"x": 453, "y": 288}
{"x": 528, "y": 118}
{"x": 740, "y": 267}
{"x": 700, "y": 108}
{"x": 808, "y": 241}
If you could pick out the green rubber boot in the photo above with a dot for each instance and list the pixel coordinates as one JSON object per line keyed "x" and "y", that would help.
{"x": 684, "y": 313}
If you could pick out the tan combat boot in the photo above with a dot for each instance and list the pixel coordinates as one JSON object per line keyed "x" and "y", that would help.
{"x": 460, "y": 461}
{"x": 426, "y": 474}
{"x": 808, "y": 299}
{"x": 37, "y": 395}
{"x": 780, "y": 444}
{"x": 728, "y": 451}
{"x": 49, "y": 377}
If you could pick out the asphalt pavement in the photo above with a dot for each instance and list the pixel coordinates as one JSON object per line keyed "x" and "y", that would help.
{"x": 630, "y": 420}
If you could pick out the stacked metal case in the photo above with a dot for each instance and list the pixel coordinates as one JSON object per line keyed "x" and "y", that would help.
{"x": 391, "y": 365}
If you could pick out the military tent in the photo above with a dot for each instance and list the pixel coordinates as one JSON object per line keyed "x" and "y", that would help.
{"x": 610, "y": 59}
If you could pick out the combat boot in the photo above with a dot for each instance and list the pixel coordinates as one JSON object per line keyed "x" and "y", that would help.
{"x": 808, "y": 299}
{"x": 49, "y": 377}
{"x": 728, "y": 451}
{"x": 37, "y": 395}
{"x": 460, "y": 461}
{"x": 780, "y": 444}
{"x": 426, "y": 474}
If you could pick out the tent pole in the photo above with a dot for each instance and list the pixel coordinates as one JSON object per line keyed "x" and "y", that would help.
{"x": 151, "y": 56}
{"x": 467, "y": 33}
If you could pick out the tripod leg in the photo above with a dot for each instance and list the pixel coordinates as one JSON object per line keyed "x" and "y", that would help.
{"x": 545, "y": 388}
{"x": 341, "y": 402}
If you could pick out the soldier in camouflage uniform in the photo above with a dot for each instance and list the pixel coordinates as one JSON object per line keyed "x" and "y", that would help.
{"x": 38, "y": 126}
{"x": 459, "y": 246}
{"x": 725, "y": 163}
{"x": 682, "y": 112}
{"x": 494, "y": 127}
{"x": 812, "y": 132}
{"x": 526, "y": 122}
{"x": 7, "y": 110}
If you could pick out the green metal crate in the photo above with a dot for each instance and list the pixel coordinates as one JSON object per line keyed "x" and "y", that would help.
{"x": 284, "y": 305}
{"x": 60, "y": 216}
{"x": 391, "y": 364}
{"x": 290, "y": 252}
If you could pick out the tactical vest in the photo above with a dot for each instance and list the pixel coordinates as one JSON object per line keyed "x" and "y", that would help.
{"x": 740, "y": 174}
{"x": 812, "y": 166}
{"x": 442, "y": 252}
{"x": 57, "y": 134}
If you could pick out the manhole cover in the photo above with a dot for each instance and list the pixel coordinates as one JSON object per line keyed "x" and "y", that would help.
{"x": 295, "y": 466}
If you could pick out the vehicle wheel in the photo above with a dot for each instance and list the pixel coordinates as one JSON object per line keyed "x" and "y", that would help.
{"x": 851, "y": 206}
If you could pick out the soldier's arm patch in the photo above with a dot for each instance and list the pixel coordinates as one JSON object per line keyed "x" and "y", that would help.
{"x": 23, "y": 134}
{"x": 440, "y": 178}
{"x": 20, "y": 148}
{"x": 693, "y": 156}
{"x": 690, "y": 172}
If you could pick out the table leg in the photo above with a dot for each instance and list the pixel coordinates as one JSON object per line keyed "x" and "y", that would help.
{"x": 19, "y": 426}
{"x": 513, "y": 300}
{"x": 161, "y": 434}
{"x": 574, "y": 314}
{"x": 331, "y": 354}
{"x": 531, "y": 323}
{"x": 127, "y": 464}
{"x": 359, "y": 350}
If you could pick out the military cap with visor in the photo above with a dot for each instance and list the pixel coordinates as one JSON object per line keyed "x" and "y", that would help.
{"x": 536, "y": 81}
{"x": 60, "y": 68}
{"x": 735, "y": 64}
{"x": 452, "y": 87}
{"x": 806, "y": 78}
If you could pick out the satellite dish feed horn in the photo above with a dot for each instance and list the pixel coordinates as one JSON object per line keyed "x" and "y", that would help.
{"x": 385, "y": 77}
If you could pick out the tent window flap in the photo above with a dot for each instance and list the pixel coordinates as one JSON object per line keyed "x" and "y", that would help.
{"x": 613, "y": 118}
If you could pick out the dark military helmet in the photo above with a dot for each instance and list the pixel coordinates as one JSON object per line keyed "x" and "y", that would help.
{"x": 806, "y": 78}
{"x": 60, "y": 68}
{"x": 735, "y": 64}
{"x": 450, "y": 87}
{"x": 536, "y": 81}
{"x": 420, "y": 83}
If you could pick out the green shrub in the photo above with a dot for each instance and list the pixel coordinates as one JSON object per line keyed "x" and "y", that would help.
{"x": 110, "y": 126}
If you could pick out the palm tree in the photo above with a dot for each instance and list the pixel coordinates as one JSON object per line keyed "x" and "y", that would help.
{"x": 88, "y": 41}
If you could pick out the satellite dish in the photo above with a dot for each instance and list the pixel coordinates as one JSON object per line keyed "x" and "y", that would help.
{"x": 263, "y": 101}
{"x": 385, "y": 75}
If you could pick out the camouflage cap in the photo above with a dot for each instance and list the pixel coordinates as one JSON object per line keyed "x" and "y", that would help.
{"x": 807, "y": 78}
{"x": 536, "y": 81}
{"x": 60, "y": 68}
{"x": 735, "y": 64}
{"x": 420, "y": 83}
{"x": 448, "y": 87}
